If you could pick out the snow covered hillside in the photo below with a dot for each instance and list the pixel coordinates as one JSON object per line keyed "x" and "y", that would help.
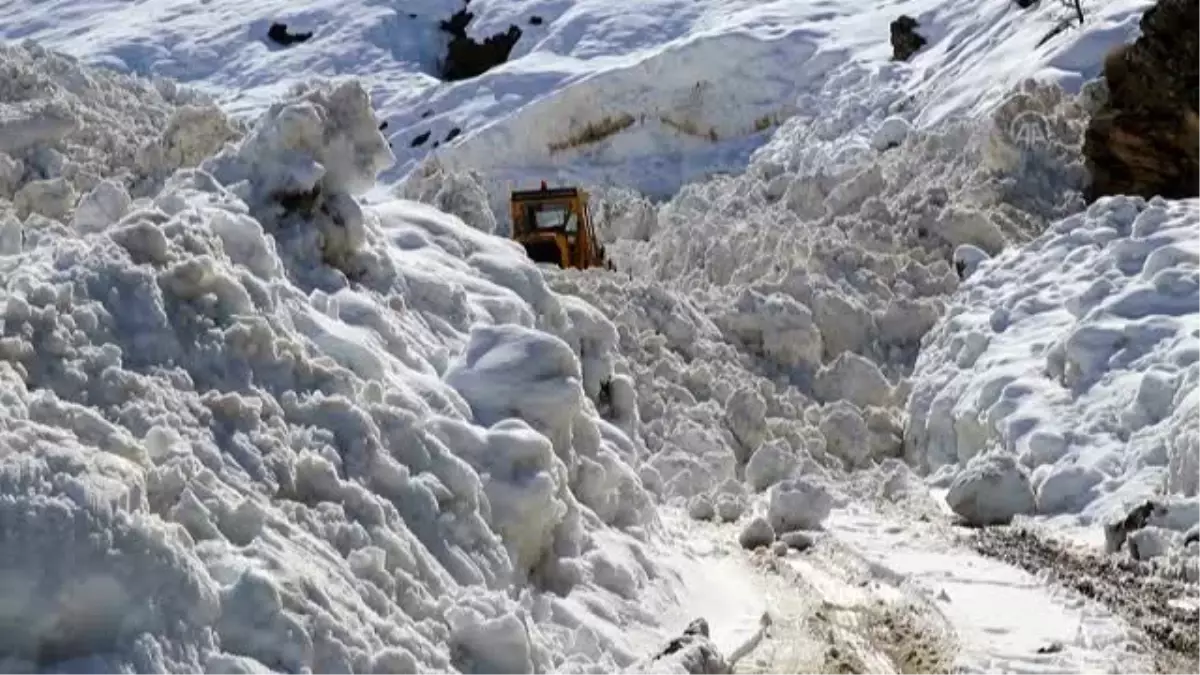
{"x": 648, "y": 94}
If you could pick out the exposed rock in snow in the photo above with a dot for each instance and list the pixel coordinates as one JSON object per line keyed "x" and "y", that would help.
{"x": 692, "y": 652}
{"x": 991, "y": 490}
{"x": 1117, "y": 530}
{"x": 465, "y": 58}
{"x": 1144, "y": 139}
{"x": 278, "y": 32}
{"x": 905, "y": 39}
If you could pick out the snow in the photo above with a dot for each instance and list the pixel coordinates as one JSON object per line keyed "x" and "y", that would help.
{"x": 337, "y": 430}
{"x": 309, "y": 472}
{"x": 1004, "y": 618}
{"x": 798, "y": 504}
{"x": 1076, "y": 355}
{"x": 991, "y": 490}
{"x": 691, "y": 88}
{"x": 756, "y": 532}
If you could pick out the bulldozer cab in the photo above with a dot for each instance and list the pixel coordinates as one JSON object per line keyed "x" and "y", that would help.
{"x": 554, "y": 226}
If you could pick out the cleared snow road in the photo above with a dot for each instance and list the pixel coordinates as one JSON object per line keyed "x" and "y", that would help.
{"x": 875, "y": 595}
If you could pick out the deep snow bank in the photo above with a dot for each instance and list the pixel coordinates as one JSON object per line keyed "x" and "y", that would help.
{"x": 769, "y": 320}
{"x": 243, "y": 419}
{"x": 64, "y": 129}
{"x": 687, "y": 111}
{"x": 1078, "y": 354}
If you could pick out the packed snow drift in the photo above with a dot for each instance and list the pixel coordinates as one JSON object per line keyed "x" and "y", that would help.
{"x": 1077, "y": 354}
{"x": 320, "y": 436}
{"x": 328, "y": 429}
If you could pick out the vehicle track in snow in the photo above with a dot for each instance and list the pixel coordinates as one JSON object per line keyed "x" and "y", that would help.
{"x": 827, "y": 610}
{"x": 1156, "y": 604}
{"x": 857, "y": 624}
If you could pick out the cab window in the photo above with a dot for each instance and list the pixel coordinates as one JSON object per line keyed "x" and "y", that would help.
{"x": 549, "y": 217}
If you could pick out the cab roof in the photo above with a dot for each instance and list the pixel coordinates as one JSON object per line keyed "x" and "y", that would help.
{"x": 549, "y": 193}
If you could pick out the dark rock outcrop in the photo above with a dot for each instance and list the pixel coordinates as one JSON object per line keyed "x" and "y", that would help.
{"x": 693, "y": 650}
{"x": 466, "y": 58}
{"x": 278, "y": 32}
{"x": 1117, "y": 531}
{"x": 1144, "y": 140}
{"x": 905, "y": 39}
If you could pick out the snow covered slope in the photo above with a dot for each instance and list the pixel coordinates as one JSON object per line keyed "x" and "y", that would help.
{"x": 643, "y": 93}
{"x": 246, "y": 423}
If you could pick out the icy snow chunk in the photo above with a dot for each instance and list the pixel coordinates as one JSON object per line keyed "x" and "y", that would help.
{"x": 458, "y": 193}
{"x": 53, "y": 198}
{"x": 524, "y": 481}
{"x": 326, "y": 137}
{"x": 746, "y": 415}
{"x": 1066, "y": 347}
{"x": 991, "y": 490}
{"x": 729, "y": 507}
{"x": 513, "y": 371}
{"x": 1067, "y": 488}
{"x": 490, "y": 644}
{"x": 778, "y": 325}
{"x": 245, "y": 242}
{"x": 771, "y": 462}
{"x": 854, "y": 378}
{"x": 846, "y": 435}
{"x": 890, "y": 133}
{"x": 107, "y": 203}
{"x": 29, "y": 123}
{"x": 801, "y": 541}
{"x": 968, "y": 258}
{"x": 798, "y": 504}
{"x": 757, "y": 532}
{"x": 1151, "y": 542}
{"x": 700, "y": 507}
